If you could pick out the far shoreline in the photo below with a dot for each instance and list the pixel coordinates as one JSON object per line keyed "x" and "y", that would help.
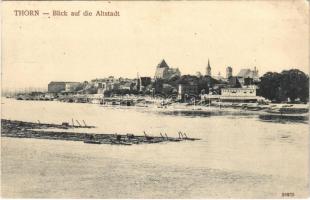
{"x": 295, "y": 112}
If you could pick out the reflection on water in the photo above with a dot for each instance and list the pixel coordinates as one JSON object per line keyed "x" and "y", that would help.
{"x": 263, "y": 117}
{"x": 187, "y": 113}
{"x": 238, "y": 156}
{"x": 284, "y": 119}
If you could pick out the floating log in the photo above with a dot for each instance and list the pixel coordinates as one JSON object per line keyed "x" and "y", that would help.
{"x": 147, "y": 137}
{"x": 130, "y": 136}
{"x": 20, "y": 129}
{"x": 92, "y": 141}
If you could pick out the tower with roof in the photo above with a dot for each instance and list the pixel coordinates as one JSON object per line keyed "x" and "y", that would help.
{"x": 163, "y": 71}
{"x": 208, "y": 69}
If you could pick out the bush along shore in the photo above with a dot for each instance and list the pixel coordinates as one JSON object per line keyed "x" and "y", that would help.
{"x": 20, "y": 129}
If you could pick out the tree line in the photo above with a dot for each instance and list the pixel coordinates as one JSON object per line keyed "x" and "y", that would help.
{"x": 289, "y": 84}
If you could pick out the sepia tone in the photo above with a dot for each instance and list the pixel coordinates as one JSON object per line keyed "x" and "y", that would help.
{"x": 159, "y": 99}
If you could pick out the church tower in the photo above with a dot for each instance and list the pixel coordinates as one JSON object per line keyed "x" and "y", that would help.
{"x": 229, "y": 71}
{"x": 208, "y": 69}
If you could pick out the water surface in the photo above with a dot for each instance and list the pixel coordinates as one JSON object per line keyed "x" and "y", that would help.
{"x": 238, "y": 156}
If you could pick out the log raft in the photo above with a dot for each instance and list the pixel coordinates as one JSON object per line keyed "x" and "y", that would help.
{"x": 20, "y": 129}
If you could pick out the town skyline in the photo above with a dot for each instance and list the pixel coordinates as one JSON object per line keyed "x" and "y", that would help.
{"x": 214, "y": 73}
{"x": 71, "y": 49}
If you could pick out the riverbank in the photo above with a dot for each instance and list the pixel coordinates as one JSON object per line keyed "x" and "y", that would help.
{"x": 20, "y": 129}
{"x": 219, "y": 107}
{"x": 274, "y": 110}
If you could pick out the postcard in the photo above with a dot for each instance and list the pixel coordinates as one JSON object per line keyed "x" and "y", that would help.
{"x": 155, "y": 99}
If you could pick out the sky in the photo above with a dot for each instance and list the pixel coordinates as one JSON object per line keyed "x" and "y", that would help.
{"x": 271, "y": 35}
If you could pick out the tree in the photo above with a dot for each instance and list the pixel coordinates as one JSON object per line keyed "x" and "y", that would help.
{"x": 295, "y": 84}
{"x": 269, "y": 85}
{"x": 279, "y": 87}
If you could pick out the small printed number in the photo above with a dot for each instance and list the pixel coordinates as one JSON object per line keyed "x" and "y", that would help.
{"x": 288, "y": 194}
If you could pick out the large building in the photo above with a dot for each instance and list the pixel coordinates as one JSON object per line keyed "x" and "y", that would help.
{"x": 55, "y": 87}
{"x": 163, "y": 71}
{"x": 72, "y": 86}
{"x": 239, "y": 92}
{"x": 248, "y": 73}
{"x": 243, "y": 94}
{"x": 111, "y": 83}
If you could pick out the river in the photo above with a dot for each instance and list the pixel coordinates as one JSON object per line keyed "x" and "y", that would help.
{"x": 238, "y": 156}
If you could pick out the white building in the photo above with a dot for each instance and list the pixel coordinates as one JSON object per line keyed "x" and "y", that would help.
{"x": 239, "y": 92}
{"x": 244, "y": 94}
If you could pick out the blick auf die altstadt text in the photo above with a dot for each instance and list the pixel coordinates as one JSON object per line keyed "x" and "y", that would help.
{"x": 66, "y": 13}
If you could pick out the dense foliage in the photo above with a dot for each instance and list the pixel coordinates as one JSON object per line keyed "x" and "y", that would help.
{"x": 292, "y": 84}
{"x": 170, "y": 86}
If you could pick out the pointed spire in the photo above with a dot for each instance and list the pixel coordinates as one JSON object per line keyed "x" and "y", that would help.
{"x": 209, "y": 63}
{"x": 208, "y": 70}
{"x": 162, "y": 64}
